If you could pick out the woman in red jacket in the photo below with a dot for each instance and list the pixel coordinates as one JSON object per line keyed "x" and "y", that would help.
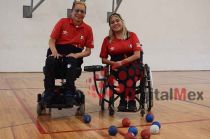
{"x": 124, "y": 48}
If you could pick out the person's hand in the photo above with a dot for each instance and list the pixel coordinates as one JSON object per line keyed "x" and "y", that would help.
{"x": 119, "y": 64}
{"x": 56, "y": 55}
{"x": 116, "y": 65}
{"x": 74, "y": 55}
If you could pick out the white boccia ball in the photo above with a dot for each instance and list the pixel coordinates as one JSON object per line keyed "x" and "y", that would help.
{"x": 154, "y": 129}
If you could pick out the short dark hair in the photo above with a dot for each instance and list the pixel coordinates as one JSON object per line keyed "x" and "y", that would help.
{"x": 78, "y": 2}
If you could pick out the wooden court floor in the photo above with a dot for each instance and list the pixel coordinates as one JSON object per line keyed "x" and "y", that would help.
{"x": 180, "y": 119}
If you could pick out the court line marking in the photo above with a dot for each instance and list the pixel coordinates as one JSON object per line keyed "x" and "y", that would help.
{"x": 26, "y": 88}
{"x": 196, "y": 103}
{"x": 13, "y": 125}
{"x": 13, "y": 132}
{"x": 105, "y": 128}
{"x": 42, "y": 130}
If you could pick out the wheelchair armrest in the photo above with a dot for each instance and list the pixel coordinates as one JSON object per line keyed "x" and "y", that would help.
{"x": 93, "y": 68}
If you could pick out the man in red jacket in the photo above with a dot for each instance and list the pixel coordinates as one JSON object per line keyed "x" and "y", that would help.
{"x": 71, "y": 39}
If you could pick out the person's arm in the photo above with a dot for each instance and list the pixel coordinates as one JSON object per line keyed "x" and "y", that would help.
{"x": 53, "y": 49}
{"x": 127, "y": 60}
{"x": 134, "y": 57}
{"x": 108, "y": 62}
{"x": 84, "y": 53}
{"x": 54, "y": 36}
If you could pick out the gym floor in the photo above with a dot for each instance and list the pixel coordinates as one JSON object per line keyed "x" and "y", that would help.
{"x": 180, "y": 119}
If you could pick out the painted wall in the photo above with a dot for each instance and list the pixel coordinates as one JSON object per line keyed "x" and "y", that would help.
{"x": 175, "y": 34}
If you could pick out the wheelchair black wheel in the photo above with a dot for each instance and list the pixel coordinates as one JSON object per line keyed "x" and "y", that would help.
{"x": 81, "y": 110}
{"x": 142, "y": 90}
{"x": 142, "y": 112}
{"x": 50, "y": 110}
{"x": 111, "y": 111}
{"x": 40, "y": 109}
{"x": 102, "y": 104}
{"x": 39, "y": 97}
{"x": 111, "y": 105}
{"x": 101, "y": 100}
{"x": 149, "y": 89}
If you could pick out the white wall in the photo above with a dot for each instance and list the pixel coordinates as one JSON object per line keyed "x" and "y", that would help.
{"x": 174, "y": 33}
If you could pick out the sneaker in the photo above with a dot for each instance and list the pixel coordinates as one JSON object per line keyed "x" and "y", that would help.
{"x": 123, "y": 105}
{"x": 132, "y": 106}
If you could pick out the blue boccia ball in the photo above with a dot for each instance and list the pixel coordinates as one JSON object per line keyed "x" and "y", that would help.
{"x": 156, "y": 123}
{"x": 112, "y": 130}
{"x": 149, "y": 118}
{"x": 86, "y": 118}
{"x": 133, "y": 130}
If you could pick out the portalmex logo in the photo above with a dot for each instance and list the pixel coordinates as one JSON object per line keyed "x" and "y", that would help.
{"x": 178, "y": 94}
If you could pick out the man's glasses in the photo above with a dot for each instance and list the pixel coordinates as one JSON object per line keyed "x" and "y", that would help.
{"x": 79, "y": 10}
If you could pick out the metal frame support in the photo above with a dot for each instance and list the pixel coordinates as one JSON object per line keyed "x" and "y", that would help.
{"x": 69, "y": 13}
{"x": 113, "y": 5}
{"x": 114, "y": 8}
{"x": 28, "y": 10}
{"x": 118, "y": 5}
{"x": 108, "y": 15}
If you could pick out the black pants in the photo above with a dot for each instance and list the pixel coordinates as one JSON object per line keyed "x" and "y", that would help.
{"x": 67, "y": 68}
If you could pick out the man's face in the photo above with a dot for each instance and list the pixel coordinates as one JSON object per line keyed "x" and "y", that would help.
{"x": 78, "y": 13}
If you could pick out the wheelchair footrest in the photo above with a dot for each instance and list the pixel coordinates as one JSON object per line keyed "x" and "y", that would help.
{"x": 128, "y": 111}
{"x": 93, "y": 68}
{"x": 58, "y": 106}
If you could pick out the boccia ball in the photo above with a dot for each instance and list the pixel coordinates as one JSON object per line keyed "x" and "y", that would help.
{"x": 157, "y": 123}
{"x": 126, "y": 122}
{"x": 112, "y": 130}
{"x": 145, "y": 134}
{"x": 133, "y": 130}
{"x": 149, "y": 117}
{"x": 129, "y": 135}
{"x": 154, "y": 129}
{"x": 86, "y": 118}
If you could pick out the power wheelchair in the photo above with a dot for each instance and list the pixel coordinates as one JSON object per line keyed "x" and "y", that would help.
{"x": 59, "y": 99}
{"x": 143, "y": 89}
